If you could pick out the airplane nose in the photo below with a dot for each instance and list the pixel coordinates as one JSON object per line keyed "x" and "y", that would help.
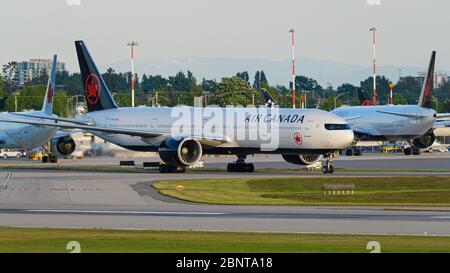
{"x": 347, "y": 138}
{"x": 343, "y": 139}
{"x": 340, "y": 136}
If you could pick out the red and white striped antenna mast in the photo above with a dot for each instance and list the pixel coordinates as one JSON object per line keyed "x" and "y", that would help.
{"x": 374, "y": 41}
{"x": 132, "y": 44}
{"x": 294, "y": 99}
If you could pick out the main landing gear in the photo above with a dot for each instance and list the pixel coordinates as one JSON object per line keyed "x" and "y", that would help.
{"x": 328, "y": 167}
{"x": 411, "y": 150}
{"x": 240, "y": 166}
{"x": 164, "y": 168}
{"x": 353, "y": 151}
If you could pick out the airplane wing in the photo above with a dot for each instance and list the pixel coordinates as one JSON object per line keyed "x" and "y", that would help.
{"x": 74, "y": 121}
{"x": 353, "y": 118}
{"x": 64, "y": 133}
{"x": 364, "y": 131}
{"x": 402, "y": 115}
{"x": 442, "y": 124}
{"x": 85, "y": 127}
{"x": 206, "y": 140}
{"x": 445, "y": 116}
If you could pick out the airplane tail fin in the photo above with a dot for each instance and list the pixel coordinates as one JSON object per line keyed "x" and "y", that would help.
{"x": 428, "y": 84}
{"x": 96, "y": 92}
{"x": 267, "y": 99}
{"x": 47, "y": 106}
{"x": 364, "y": 98}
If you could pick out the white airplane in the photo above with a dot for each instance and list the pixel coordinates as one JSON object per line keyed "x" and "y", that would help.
{"x": 26, "y": 136}
{"x": 182, "y": 135}
{"x": 412, "y": 123}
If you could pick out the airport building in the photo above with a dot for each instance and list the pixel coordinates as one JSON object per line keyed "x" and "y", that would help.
{"x": 26, "y": 71}
{"x": 439, "y": 79}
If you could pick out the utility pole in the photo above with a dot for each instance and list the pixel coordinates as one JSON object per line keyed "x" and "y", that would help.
{"x": 292, "y": 31}
{"x": 132, "y": 44}
{"x": 15, "y": 102}
{"x": 337, "y": 97}
{"x": 374, "y": 40}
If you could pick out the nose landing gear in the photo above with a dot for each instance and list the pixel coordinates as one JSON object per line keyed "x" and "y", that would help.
{"x": 328, "y": 167}
{"x": 240, "y": 166}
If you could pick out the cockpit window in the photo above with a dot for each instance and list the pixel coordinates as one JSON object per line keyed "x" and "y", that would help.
{"x": 336, "y": 127}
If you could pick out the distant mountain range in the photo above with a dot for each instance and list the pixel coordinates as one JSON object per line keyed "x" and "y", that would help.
{"x": 277, "y": 72}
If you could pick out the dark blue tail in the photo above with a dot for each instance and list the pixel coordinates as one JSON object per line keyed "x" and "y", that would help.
{"x": 428, "y": 85}
{"x": 96, "y": 92}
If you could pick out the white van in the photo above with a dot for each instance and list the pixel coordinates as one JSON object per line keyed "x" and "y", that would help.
{"x": 10, "y": 153}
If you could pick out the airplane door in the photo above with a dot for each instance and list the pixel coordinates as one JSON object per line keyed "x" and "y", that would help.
{"x": 308, "y": 128}
{"x": 154, "y": 123}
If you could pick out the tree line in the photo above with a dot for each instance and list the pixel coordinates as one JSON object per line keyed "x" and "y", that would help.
{"x": 182, "y": 88}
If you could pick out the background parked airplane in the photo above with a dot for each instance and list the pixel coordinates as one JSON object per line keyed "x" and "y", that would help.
{"x": 412, "y": 123}
{"x": 26, "y": 136}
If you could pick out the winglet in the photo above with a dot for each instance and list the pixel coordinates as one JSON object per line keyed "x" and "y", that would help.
{"x": 47, "y": 106}
{"x": 428, "y": 85}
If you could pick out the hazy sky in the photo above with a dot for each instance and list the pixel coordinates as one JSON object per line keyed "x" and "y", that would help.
{"x": 336, "y": 30}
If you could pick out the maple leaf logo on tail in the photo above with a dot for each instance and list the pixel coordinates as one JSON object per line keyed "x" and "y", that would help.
{"x": 92, "y": 89}
{"x": 50, "y": 94}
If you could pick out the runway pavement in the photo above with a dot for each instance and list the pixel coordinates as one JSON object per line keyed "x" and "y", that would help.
{"x": 375, "y": 161}
{"x": 125, "y": 200}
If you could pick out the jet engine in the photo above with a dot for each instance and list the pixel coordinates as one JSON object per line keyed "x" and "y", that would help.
{"x": 425, "y": 141}
{"x": 184, "y": 152}
{"x": 64, "y": 145}
{"x": 304, "y": 160}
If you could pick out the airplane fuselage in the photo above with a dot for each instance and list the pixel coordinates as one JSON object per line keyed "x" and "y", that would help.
{"x": 378, "y": 123}
{"x": 291, "y": 131}
{"x": 23, "y": 136}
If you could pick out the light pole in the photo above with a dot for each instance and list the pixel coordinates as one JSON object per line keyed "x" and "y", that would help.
{"x": 391, "y": 87}
{"x": 374, "y": 31}
{"x": 303, "y": 99}
{"x": 132, "y": 44}
{"x": 15, "y": 102}
{"x": 73, "y": 112}
{"x": 292, "y": 31}
{"x": 436, "y": 99}
{"x": 338, "y": 96}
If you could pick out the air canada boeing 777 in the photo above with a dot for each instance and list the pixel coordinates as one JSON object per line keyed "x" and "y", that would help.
{"x": 182, "y": 135}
